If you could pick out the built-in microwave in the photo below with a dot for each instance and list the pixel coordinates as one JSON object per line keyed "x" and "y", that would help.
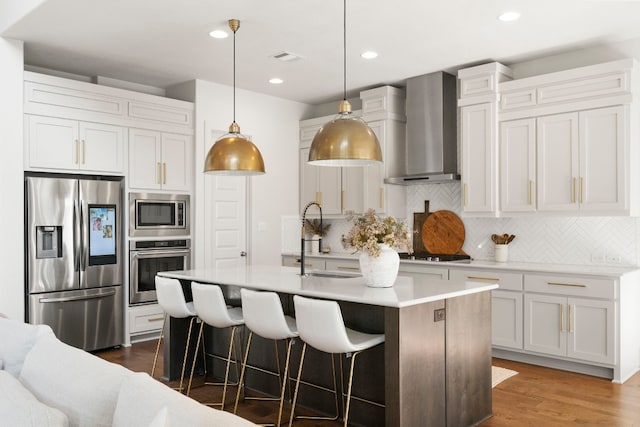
{"x": 158, "y": 215}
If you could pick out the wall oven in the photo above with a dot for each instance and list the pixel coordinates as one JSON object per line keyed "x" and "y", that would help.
{"x": 148, "y": 257}
{"x": 158, "y": 215}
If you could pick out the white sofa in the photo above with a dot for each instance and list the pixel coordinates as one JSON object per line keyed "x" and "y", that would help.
{"x": 44, "y": 382}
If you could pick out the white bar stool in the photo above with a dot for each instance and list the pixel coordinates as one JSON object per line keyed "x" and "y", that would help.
{"x": 171, "y": 299}
{"x": 264, "y": 316}
{"x": 321, "y": 325}
{"x": 212, "y": 309}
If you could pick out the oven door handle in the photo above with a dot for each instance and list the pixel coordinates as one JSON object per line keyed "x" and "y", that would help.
{"x": 160, "y": 253}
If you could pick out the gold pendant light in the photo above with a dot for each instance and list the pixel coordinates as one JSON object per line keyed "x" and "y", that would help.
{"x": 233, "y": 153}
{"x": 345, "y": 140}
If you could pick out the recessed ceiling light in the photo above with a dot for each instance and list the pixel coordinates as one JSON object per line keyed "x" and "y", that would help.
{"x": 219, "y": 34}
{"x": 369, "y": 54}
{"x": 276, "y": 81}
{"x": 509, "y": 16}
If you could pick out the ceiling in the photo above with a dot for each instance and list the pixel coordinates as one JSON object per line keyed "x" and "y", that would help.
{"x": 164, "y": 42}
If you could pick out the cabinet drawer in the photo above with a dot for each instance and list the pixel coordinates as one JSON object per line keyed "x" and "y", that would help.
{"x": 313, "y": 263}
{"x": 571, "y": 285}
{"x": 145, "y": 318}
{"x": 55, "y": 96}
{"x": 481, "y": 85}
{"x": 507, "y": 281}
{"x": 423, "y": 271}
{"x": 347, "y": 265}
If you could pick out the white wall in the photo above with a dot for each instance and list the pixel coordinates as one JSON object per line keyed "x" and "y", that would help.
{"x": 11, "y": 179}
{"x": 272, "y": 124}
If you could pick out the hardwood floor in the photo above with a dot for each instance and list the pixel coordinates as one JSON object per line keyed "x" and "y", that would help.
{"x": 537, "y": 396}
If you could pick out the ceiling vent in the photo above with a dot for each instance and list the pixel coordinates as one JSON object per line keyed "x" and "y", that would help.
{"x": 286, "y": 56}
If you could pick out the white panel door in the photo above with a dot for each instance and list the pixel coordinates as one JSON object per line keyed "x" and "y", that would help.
{"x": 591, "y": 330}
{"x": 479, "y": 148}
{"x": 308, "y": 180}
{"x": 145, "y": 159}
{"x": 557, "y": 159}
{"x": 353, "y": 188}
{"x": 176, "y": 162}
{"x": 225, "y": 234}
{"x": 102, "y": 147}
{"x": 374, "y": 174}
{"x": 518, "y": 166}
{"x": 52, "y": 143}
{"x": 603, "y": 175}
{"x": 506, "y": 319}
{"x": 545, "y": 324}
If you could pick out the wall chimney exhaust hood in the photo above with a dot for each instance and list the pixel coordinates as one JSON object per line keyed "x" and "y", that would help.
{"x": 431, "y": 140}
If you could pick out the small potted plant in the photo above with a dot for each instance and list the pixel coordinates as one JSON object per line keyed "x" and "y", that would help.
{"x": 376, "y": 239}
{"x": 317, "y": 230}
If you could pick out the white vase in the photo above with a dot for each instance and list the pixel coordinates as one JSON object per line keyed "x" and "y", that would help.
{"x": 380, "y": 271}
{"x": 315, "y": 244}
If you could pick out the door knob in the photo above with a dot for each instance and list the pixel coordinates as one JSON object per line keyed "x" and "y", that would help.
{"x": 243, "y": 253}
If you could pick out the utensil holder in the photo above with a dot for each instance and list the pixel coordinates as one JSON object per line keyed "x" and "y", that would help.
{"x": 501, "y": 253}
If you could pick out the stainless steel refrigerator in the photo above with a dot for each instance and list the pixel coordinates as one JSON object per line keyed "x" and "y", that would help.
{"x": 74, "y": 258}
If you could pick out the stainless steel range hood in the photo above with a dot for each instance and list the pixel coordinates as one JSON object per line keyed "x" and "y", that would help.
{"x": 431, "y": 140}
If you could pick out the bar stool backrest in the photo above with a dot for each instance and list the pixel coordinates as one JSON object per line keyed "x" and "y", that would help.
{"x": 321, "y": 325}
{"x": 211, "y": 306}
{"x": 171, "y": 298}
{"x": 263, "y": 315}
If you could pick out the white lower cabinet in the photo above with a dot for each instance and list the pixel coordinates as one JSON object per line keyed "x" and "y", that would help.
{"x": 344, "y": 265}
{"x": 506, "y": 304}
{"x": 423, "y": 271}
{"x": 565, "y": 323}
{"x": 145, "y": 319}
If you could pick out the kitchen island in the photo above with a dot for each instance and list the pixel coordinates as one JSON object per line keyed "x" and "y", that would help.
{"x": 437, "y": 354}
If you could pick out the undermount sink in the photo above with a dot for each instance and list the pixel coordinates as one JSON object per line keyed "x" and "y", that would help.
{"x": 333, "y": 274}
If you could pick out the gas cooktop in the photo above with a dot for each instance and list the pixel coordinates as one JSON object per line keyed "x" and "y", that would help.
{"x": 425, "y": 256}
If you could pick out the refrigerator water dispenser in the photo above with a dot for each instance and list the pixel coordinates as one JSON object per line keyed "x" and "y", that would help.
{"x": 48, "y": 241}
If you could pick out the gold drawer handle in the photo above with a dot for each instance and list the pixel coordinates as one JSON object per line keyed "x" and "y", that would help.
{"x": 488, "y": 279}
{"x": 348, "y": 268}
{"x": 155, "y": 319}
{"x": 562, "y": 318}
{"x": 575, "y": 285}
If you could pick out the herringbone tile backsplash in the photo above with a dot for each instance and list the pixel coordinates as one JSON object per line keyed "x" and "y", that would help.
{"x": 544, "y": 239}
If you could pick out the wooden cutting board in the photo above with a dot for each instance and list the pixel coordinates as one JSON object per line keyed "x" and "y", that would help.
{"x": 443, "y": 233}
{"x": 418, "y": 220}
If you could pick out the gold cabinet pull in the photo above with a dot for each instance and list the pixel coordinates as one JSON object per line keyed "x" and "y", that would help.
{"x": 561, "y": 318}
{"x": 570, "y": 320}
{"x": 488, "y": 279}
{"x": 575, "y": 285}
{"x": 159, "y": 180}
{"x": 341, "y": 267}
{"x": 581, "y": 190}
{"x": 381, "y": 197}
{"x": 164, "y": 173}
{"x": 77, "y": 151}
{"x": 84, "y": 152}
{"x": 573, "y": 192}
{"x": 464, "y": 195}
{"x": 155, "y": 319}
{"x": 531, "y": 192}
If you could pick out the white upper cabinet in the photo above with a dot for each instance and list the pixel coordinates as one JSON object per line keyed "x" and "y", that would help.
{"x": 567, "y": 144}
{"x": 518, "y": 166}
{"x": 159, "y": 161}
{"x": 479, "y": 178}
{"x": 62, "y": 144}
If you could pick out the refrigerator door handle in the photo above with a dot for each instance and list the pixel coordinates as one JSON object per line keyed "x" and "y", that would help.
{"x": 80, "y": 297}
{"x": 83, "y": 266}
{"x": 76, "y": 245}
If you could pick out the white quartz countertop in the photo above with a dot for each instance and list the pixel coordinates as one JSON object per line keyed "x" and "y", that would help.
{"x": 613, "y": 271}
{"x": 406, "y": 291}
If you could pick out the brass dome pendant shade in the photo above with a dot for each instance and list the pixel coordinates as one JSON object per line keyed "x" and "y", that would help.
{"x": 233, "y": 153}
{"x": 345, "y": 140}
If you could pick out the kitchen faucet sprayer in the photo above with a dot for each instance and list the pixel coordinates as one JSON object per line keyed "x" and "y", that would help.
{"x": 302, "y": 239}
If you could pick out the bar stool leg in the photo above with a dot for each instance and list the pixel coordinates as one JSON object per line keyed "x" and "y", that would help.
{"x": 186, "y": 353}
{"x": 244, "y": 367}
{"x": 295, "y": 393}
{"x": 195, "y": 356}
{"x": 285, "y": 379}
{"x": 226, "y": 374}
{"x": 155, "y": 358}
{"x": 346, "y": 411}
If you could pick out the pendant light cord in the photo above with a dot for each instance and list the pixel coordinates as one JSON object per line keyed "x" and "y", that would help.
{"x": 344, "y": 49}
{"x": 234, "y": 75}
